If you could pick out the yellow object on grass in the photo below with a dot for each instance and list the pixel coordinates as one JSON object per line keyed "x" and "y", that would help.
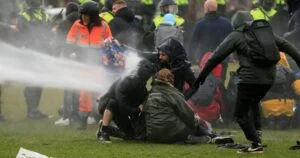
{"x": 277, "y": 107}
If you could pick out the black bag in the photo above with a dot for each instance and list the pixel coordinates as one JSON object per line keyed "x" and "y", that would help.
{"x": 262, "y": 49}
{"x": 207, "y": 91}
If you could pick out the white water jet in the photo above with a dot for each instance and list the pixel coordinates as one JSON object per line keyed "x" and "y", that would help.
{"x": 36, "y": 69}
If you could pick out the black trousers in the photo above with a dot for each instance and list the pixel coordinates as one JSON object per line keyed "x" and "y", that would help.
{"x": 121, "y": 119}
{"x": 247, "y": 110}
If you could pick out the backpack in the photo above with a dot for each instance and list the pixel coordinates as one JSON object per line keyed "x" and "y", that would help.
{"x": 262, "y": 49}
{"x": 164, "y": 31}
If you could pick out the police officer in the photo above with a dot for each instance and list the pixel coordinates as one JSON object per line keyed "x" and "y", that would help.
{"x": 264, "y": 10}
{"x": 34, "y": 34}
{"x": 166, "y": 6}
{"x": 106, "y": 12}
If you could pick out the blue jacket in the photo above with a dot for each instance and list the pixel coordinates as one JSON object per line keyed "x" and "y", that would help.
{"x": 208, "y": 33}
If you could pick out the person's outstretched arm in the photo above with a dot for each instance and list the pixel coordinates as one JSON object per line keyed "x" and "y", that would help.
{"x": 228, "y": 46}
{"x": 288, "y": 48}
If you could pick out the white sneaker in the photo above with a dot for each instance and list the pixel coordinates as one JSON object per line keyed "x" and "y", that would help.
{"x": 62, "y": 122}
{"x": 91, "y": 120}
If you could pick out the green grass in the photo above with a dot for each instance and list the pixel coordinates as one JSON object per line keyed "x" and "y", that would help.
{"x": 60, "y": 142}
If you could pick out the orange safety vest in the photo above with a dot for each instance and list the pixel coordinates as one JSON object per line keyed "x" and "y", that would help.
{"x": 80, "y": 35}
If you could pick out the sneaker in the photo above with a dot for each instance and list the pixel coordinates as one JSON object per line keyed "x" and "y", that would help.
{"x": 37, "y": 115}
{"x": 62, "y": 122}
{"x": 91, "y": 120}
{"x": 222, "y": 140}
{"x": 255, "y": 148}
{"x": 104, "y": 138}
{"x": 98, "y": 132}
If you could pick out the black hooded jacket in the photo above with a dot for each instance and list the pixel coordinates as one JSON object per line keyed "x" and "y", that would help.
{"x": 178, "y": 63}
{"x": 127, "y": 93}
{"x": 125, "y": 27}
{"x": 248, "y": 72}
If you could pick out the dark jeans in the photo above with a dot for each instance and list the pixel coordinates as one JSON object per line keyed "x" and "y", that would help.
{"x": 247, "y": 111}
{"x": 32, "y": 98}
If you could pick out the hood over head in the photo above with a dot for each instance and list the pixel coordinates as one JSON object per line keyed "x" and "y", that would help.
{"x": 146, "y": 69}
{"x": 176, "y": 53}
{"x": 240, "y": 18}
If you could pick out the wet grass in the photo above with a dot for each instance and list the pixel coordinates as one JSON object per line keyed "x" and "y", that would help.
{"x": 66, "y": 142}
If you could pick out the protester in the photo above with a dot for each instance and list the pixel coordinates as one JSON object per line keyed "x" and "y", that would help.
{"x": 208, "y": 33}
{"x": 123, "y": 103}
{"x": 172, "y": 56}
{"x": 169, "y": 119}
{"x": 255, "y": 76}
{"x": 167, "y": 29}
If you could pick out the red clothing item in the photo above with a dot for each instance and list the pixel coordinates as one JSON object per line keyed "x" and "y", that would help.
{"x": 217, "y": 71}
{"x": 211, "y": 112}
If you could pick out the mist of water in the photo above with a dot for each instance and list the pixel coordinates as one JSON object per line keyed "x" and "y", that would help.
{"x": 36, "y": 69}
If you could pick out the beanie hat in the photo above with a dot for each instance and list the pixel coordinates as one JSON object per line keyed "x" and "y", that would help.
{"x": 169, "y": 19}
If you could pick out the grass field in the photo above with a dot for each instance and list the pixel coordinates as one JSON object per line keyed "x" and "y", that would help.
{"x": 66, "y": 142}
